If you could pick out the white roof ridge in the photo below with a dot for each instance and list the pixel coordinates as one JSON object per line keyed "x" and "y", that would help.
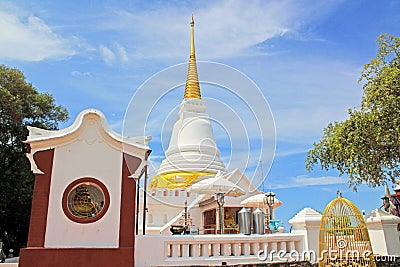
{"x": 38, "y": 134}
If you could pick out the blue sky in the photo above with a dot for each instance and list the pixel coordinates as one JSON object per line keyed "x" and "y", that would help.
{"x": 305, "y": 56}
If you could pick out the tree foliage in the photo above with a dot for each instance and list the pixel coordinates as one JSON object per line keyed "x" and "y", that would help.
{"x": 20, "y": 105}
{"x": 366, "y": 146}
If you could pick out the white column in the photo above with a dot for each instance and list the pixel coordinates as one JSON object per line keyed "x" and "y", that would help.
{"x": 236, "y": 249}
{"x": 205, "y": 250}
{"x": 185, "y": 250}
{"x": 246, "y": 249}
{"x": 307, "y": 222}
{"x": 254, "y": 248}
{"x": 194, "y": 250}
{"x": 175, "y": 250}
{"x": 273, "y": 246}
{"x": 265, "y": 247}
{"x": 291, "y": 246}
{"x": 282, "y": 246}
{"x": 382, "y": 230}
{"x": 215, "y": 249}
{"x": 225, "y": 249}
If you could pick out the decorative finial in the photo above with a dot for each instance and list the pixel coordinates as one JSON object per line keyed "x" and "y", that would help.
{"x": 192, "y": 87}
{"x": 339, "y": 193}
{"x": 387, "y": 191}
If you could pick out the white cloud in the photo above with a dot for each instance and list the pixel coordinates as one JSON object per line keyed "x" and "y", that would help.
{"x": 223, "y": 28}
{"x": 289, "y": 152}
{"x": 107, "y": 55}
{"x": 113, "y": 54}
{"x": 77, "y": 73}
{"x": 30, "y": 39}
{"x": 301, "y": 181}
{"x": 121, "y": 52}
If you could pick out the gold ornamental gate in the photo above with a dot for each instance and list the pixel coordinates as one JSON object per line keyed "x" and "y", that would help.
{"x": 343, "y": 236}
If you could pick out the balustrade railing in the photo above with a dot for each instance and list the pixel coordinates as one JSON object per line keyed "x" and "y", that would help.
{"x": 189, "y": 250}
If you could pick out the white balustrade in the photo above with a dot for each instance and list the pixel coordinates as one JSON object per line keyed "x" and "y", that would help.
{"x": 186, "y": 250}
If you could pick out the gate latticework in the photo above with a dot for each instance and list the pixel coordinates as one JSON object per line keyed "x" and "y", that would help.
{"x": 343, "y": 236}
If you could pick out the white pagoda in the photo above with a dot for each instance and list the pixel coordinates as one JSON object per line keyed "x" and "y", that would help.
{"x": 192, "y": 153}
{"x": 192, "y": 156}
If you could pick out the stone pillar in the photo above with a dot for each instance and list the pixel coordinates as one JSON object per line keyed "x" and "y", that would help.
{"x": 307, "y": 222}
{"x": 382, "y": 229}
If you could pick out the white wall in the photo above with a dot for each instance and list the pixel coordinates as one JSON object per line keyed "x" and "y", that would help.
{"x": 88, "y": 156}
{"x": 382, "y": 229}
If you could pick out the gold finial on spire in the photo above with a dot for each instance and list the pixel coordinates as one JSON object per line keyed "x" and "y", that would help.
{"x": 192, "y": 53}
{"x": 192, "y": 87}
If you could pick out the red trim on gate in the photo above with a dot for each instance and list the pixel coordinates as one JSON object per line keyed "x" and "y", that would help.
{"x": 74, "y": 184}
{"x": 128, "y": 199}
{"x": 40, "y": 199}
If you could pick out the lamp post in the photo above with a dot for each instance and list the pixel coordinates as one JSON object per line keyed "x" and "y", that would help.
{"x": 186, "y": 221}
{"x": 137, "y": 180}
{"x": 266, "y": 213}
{"x": 137, "y": 204}
{"x": 145, "y": 191}
{"x": 221, "y": 202}
{"x": 269, "y": 200}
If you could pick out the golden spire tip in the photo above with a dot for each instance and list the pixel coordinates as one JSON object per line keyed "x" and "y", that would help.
{"x": 192, "y": 87}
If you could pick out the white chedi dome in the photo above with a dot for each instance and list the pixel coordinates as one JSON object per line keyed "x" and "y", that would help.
{"x": 192, "y": 153}
{"x": 192, "y": 146}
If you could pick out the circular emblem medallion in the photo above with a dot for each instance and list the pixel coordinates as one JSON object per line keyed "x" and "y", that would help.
{"x": 85, "y": 200}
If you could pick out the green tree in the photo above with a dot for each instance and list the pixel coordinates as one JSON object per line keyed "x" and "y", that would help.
{"x": 366, "y": 146}
{"x": 20, "y": 105}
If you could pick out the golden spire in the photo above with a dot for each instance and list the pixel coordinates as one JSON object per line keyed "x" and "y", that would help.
{"x": 192, "y": 87}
